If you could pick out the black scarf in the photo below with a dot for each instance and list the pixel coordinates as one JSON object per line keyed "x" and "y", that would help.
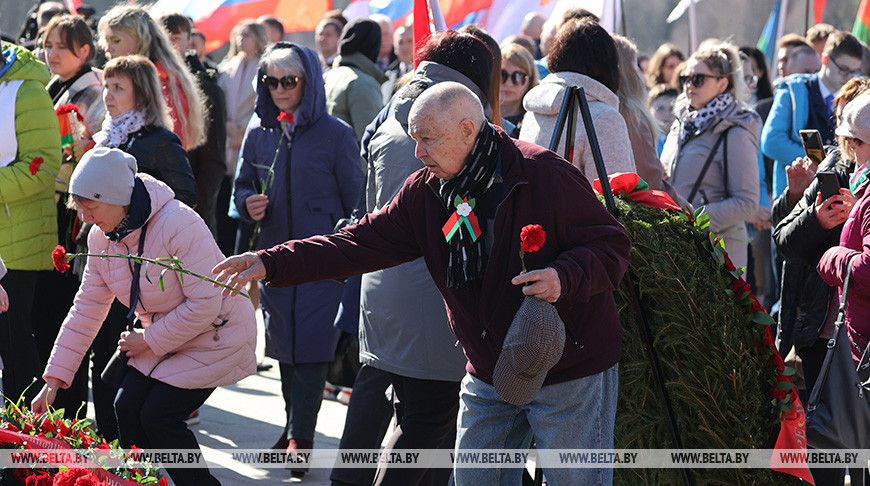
{"x": 468, "y": 257}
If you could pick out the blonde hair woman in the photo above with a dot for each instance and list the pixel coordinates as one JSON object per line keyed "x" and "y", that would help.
{"x": 518, "y": 76}
{"x": 126, "y": 30}
{"x": 248, "y": 41}
{"x": 643, "y": 129}
{"x": 712, "y": 149}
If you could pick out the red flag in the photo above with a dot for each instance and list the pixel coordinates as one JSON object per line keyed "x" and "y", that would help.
{"x": 73, "y": 5}
{"x": 297, "y": 16}
{"x": 862, "y": 22}
{"x": 423, "y": 27}
{"x": 819, "y": 9}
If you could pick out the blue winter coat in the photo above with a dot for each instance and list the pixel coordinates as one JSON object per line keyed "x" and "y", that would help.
{"x": 323, "y": 184}
{"x": 780, "y": 138}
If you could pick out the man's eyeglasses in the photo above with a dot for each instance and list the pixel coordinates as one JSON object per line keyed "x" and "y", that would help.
{"x": 518, "y": 78}
{"x": 287, "y": 82}
{"x": 843, "y": 71}
{"x": 696, "y": 80}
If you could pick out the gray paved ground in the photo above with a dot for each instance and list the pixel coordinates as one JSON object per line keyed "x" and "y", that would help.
{"x": 250, "y": 415}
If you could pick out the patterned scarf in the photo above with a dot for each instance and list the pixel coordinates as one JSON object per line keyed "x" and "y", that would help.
{"x": 858, "y": 177}
{"x": 117, "y": 129}
{"x": 468, "y": 256}
{"x": 695, "y": 122}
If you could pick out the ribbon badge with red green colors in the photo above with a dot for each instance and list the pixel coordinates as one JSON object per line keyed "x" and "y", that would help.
{"x": 462, "y": 215}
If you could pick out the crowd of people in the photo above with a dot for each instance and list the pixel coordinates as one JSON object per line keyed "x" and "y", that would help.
{"x": 123, "y": 137}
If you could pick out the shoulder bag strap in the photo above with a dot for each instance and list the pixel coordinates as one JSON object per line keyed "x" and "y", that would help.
{"x": 706, "y": 166}
{"x": 134, "y": 285}
{"x": 826, "y": 364}
{"x": 725, "y": 161}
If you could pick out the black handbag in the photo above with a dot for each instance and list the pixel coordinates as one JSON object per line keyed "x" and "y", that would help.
{"x": 116, "y": 368}
{"x": 838, "y": 412}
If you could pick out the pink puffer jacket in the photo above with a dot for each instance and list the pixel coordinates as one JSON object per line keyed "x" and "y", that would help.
{"x": 187, "y": 350}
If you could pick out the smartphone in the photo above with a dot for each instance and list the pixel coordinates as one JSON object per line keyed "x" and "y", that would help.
{"x": 829, "y": 184}
{"x": 812, "y": 142}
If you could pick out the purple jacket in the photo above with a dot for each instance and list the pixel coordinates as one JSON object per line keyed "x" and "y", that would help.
{"x": 315, "y": 185}
{"x": 584, "y": 243}
{"x": 854, "y": 240}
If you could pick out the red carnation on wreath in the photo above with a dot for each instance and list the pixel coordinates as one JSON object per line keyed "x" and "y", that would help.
{"x": 40, "y": 479}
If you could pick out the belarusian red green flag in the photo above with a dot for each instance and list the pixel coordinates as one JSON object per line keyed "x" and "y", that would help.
{"x": 861, "y": 30}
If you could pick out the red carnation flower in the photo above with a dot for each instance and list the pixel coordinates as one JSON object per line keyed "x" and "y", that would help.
{"x": 71, "y": 477}
{"x": 58, "y": 256}
{"x": 41, "y": 479}
{"x": 532, "y": 237}
{"x": 62, "y": 429}
{"x": 163, "y": 482}
{"x": 69, "y": 107}
{"x": 34, "y": 165}
{"x": 21, "y": 473}
{"x": 48, "y": 427}
{"x": 287, "y": 117}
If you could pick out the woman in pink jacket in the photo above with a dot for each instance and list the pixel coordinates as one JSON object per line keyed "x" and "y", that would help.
{"x": 855, "y": 238}
{"x": 191, "y": 339}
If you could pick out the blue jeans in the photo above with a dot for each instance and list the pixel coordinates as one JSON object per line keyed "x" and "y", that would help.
{"x": 577, "y": 414}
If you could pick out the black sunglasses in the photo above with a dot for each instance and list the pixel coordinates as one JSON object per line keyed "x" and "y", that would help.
{"x": 697, "y": 80}
{"x": 287, "y": 82}
{"x": 516, "y": 77}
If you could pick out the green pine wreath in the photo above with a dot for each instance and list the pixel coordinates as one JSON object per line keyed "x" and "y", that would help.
{"x": 709, "y": 332}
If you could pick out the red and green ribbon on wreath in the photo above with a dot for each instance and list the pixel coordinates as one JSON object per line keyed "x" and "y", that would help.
{"x": 783, "y": 393}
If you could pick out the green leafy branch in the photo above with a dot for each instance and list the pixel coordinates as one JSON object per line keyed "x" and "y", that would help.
{"x": 168, "y": 264}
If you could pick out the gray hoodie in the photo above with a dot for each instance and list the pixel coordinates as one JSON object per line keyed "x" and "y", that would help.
{"x": 404, "y": 327}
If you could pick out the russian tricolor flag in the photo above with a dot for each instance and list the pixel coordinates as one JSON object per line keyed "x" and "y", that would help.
{"x": 216, "y": 18}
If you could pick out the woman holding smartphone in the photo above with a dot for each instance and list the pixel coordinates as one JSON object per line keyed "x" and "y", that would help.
{"x": 806, "y": 225}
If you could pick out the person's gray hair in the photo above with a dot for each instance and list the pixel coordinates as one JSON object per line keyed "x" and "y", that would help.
{"x": 288, "y": 60}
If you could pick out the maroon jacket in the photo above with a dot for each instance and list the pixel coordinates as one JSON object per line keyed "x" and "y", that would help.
{"x": 584, "y": 243}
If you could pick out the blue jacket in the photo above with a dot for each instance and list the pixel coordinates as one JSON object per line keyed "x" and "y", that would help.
{"x": 780, "y": 138}
{"x": 316, "y": 183}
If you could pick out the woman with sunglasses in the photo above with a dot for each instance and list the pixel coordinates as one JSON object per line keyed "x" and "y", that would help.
{"x": 584, "y": 55}
{"x": 297, "y": 178}
{"x": 711, "y": 152}
{"x": 518, "y": 76}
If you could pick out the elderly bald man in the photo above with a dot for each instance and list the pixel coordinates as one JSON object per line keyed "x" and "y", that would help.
{"x": 473, "y": 170}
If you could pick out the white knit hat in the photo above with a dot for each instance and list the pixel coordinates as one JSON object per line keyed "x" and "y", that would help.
{"x": 856, "y": 119}
{"x": 106, "y": 175}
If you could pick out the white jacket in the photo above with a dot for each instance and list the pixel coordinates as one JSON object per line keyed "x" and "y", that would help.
{"x": 542, "y": 104}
